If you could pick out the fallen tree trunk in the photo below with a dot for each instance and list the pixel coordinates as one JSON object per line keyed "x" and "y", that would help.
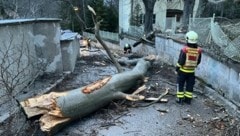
{"x": 58, "y": 109}
{"x": 146, "y": 39}
{"x": 127, "y": 61}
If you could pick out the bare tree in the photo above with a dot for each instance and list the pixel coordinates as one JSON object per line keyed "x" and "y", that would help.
{"x": 19, "y": 67}
{"x": 29, "y": 8}
{"x": 9, "y": 9}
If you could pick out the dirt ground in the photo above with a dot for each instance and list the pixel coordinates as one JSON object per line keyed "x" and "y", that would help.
{"x": 124, "y": 118}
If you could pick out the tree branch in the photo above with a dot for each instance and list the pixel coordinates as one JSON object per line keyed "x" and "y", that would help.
{"x": 98, "y": 37}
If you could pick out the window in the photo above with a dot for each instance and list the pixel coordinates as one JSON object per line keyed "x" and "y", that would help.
{"x": 141, "y": 18}
{"x": 154, "y": 18}
{"x": 174, "y": 13}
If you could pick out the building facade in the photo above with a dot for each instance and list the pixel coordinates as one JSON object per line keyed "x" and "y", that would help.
{"x": 167, "y": 14}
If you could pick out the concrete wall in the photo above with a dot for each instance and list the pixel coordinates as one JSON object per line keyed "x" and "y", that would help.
{"x": 124, "y": 15}
{"x": 224, "y": 79}
{"x": 160, "y": 8}
{"x": 15, "y": 53}
{"x": 47, "y": 42}
{"x": 70, "y": 52}
{"x": 29, "y": 47}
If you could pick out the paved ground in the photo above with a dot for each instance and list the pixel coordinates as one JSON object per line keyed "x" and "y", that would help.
{"x": 124, "y": 118}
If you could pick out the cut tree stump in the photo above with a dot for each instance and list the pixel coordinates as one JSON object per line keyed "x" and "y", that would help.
{"x": 59, "y": 108}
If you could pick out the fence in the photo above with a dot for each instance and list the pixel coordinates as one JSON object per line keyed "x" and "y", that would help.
{"x": 109, "y": 35}
{"x": 136, "y": 31}
{"x": 171, "y": 24}
{"x": 202, "y": 26}
{"x": 211, "y": 31}
{"x": 104, "y": 35}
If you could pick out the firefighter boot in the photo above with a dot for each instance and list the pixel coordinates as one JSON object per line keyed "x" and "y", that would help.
{"x": 188, "y": 100}
{"x": 180, "y": 101}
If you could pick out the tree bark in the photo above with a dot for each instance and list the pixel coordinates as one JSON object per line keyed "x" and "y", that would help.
{"x": 148, "y": 18}
{"x": 187, "y": 12}
{"x": 147, "y": 38}
{"x": 59, "y": 108}
{"x": 97, "y": 35}
{"x": 201, "y": 8}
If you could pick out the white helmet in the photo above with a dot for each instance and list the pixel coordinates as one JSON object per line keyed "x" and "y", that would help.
{"x": 191, "y": 37}
{"x": 126, "y": 45}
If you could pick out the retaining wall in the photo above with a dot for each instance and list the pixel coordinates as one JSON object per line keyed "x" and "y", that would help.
{"x": 223, "y": 78}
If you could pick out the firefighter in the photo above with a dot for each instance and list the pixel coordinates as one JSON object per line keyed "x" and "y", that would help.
{"x": 89, "y": 44}
{"x": 189, "y": 59}
{"x": 127, "y": 49}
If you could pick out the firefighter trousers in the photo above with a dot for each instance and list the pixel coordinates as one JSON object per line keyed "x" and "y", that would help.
{"x": 186, "y": 83}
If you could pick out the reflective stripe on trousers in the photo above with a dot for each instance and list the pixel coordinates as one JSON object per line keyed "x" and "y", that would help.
{"x": 184, "y": 94}
{"x": 180, "y": 94}
{"x": 188, "y": 94}
{"x": 186, "y": 82}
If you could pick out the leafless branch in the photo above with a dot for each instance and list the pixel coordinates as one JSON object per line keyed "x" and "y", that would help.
{"x": 98, "y": 37}
{"x": 19, "y": 66}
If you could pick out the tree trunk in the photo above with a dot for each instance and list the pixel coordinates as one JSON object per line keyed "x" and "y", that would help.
{"x": 59, "y": 108}
{"x": 147, "y": 38}
{"x": 201, "y": 7}
{"x": 97, "y": 35}
{"x": 148, "y": 18}
{"x": 187, "y": 12}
